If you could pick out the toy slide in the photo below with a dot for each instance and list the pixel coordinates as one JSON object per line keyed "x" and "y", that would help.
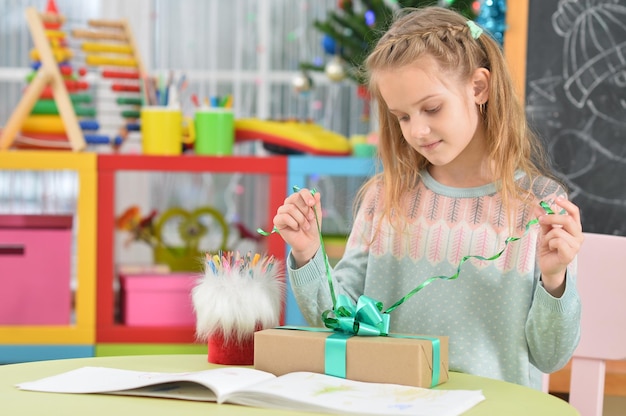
{"x": 293, "y": 136}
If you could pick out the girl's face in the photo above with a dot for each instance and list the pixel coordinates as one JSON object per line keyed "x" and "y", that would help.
{"x": 437, "y": 113}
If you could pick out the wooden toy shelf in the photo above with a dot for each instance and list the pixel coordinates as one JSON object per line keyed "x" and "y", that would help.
{"x": 107, "y": 329}
{"x": 78, "y": 337}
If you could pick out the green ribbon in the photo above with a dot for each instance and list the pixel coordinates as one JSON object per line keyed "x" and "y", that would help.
{"x": 367, "y": 317}
{"x": 335, "y": 353}
{"x": 428, "y": 281}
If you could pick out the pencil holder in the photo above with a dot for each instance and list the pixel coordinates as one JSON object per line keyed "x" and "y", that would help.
{"x": 237, "y": 296}
{"x": 215, "y": 132}
{"x": 164, "y": 129}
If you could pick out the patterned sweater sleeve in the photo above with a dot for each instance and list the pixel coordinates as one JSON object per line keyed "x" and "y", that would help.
{"x": 553, "y": 325}
{"x": 310, "y": 288}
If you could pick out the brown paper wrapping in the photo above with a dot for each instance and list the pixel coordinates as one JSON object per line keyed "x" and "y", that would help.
{"x": 405, "y": 361}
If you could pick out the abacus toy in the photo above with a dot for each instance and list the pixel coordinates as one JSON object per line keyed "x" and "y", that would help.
{"x": 51, "y": 111}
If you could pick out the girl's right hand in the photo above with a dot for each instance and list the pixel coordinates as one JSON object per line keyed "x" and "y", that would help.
{"x": 295, "y": 221}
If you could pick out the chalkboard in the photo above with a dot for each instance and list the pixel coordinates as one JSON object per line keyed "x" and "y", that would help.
{"x": 576, "y": 101}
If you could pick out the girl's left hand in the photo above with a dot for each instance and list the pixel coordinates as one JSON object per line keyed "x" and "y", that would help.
{"x": 560, "y": 238}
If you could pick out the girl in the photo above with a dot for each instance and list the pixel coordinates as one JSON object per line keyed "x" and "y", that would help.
{"x": 461, "y": 173}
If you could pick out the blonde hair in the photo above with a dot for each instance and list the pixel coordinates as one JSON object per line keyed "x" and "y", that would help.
{"x": 445, "y": 35}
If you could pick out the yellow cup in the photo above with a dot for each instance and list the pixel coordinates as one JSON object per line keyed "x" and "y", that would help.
{"x": 162, "y": 130}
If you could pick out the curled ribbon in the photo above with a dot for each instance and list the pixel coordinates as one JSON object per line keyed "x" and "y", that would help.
{"x": 532, "y": 222}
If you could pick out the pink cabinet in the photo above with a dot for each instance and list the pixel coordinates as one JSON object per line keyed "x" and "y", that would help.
{"x": 35, "y": 269}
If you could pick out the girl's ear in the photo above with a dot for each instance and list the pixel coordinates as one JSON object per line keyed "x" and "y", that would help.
{"x": 480, "y": 83}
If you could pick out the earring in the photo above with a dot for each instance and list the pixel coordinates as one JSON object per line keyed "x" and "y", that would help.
{"x": 482, "y": 108}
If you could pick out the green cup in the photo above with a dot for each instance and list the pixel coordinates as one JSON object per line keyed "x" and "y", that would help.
{"x": 215, "y": 131}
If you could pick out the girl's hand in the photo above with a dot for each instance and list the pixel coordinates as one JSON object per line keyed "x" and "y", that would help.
{"x": 295, "y": 220}
{"x": 560, "y": 238}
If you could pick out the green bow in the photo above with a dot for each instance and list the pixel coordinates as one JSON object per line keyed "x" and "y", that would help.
{"x": 366, "y": 318}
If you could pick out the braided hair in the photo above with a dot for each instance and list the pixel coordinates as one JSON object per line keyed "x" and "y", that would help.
{"x": 459, "y": 49}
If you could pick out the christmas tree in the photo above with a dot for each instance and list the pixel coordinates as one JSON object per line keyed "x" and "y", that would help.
{"x": 350, "y": 32}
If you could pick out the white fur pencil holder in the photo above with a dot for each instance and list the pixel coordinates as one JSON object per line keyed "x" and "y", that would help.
{"x": 237, "y": 296}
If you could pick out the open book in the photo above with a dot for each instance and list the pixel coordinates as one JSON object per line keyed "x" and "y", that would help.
{"x": 246, "y": 386}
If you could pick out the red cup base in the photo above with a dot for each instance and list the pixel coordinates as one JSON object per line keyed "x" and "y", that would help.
{"x": 231, "y": 353}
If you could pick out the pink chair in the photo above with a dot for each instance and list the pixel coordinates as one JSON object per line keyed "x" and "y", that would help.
{"x": 602, "y": 287}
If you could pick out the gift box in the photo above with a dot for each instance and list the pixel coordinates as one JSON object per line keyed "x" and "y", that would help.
{"x": 153, "y": 299}
{"x": 396, "y": 359}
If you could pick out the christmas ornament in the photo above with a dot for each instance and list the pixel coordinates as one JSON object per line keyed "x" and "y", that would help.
{"x": 301, "y": 83}
{"x": 345, "y": 5}
{"x": 334, "y": 69}
{"x": 492, "y": 16}
{"x": 329, "y": 45}
{"x": 370, "y": 18}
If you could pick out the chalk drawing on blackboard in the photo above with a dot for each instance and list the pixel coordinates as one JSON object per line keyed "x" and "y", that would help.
{"x": 542, "y": 99}
{"x": 594, "y": 55}
{"x": 581, "y": 105}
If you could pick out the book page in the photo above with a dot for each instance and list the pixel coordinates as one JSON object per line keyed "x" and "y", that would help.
{"x": 206, "y": 385}
{"x": 182, "y": 390}
{"x": 323, "y": 393}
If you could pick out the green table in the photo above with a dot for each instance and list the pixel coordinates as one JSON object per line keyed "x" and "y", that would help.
{"x": 501, "y": 398}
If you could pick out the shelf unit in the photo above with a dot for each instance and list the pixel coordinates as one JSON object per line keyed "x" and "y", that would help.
{"x": 29, "y": 342}
{"x": 110, "y": 333}
{"x": 96, "y": 332}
